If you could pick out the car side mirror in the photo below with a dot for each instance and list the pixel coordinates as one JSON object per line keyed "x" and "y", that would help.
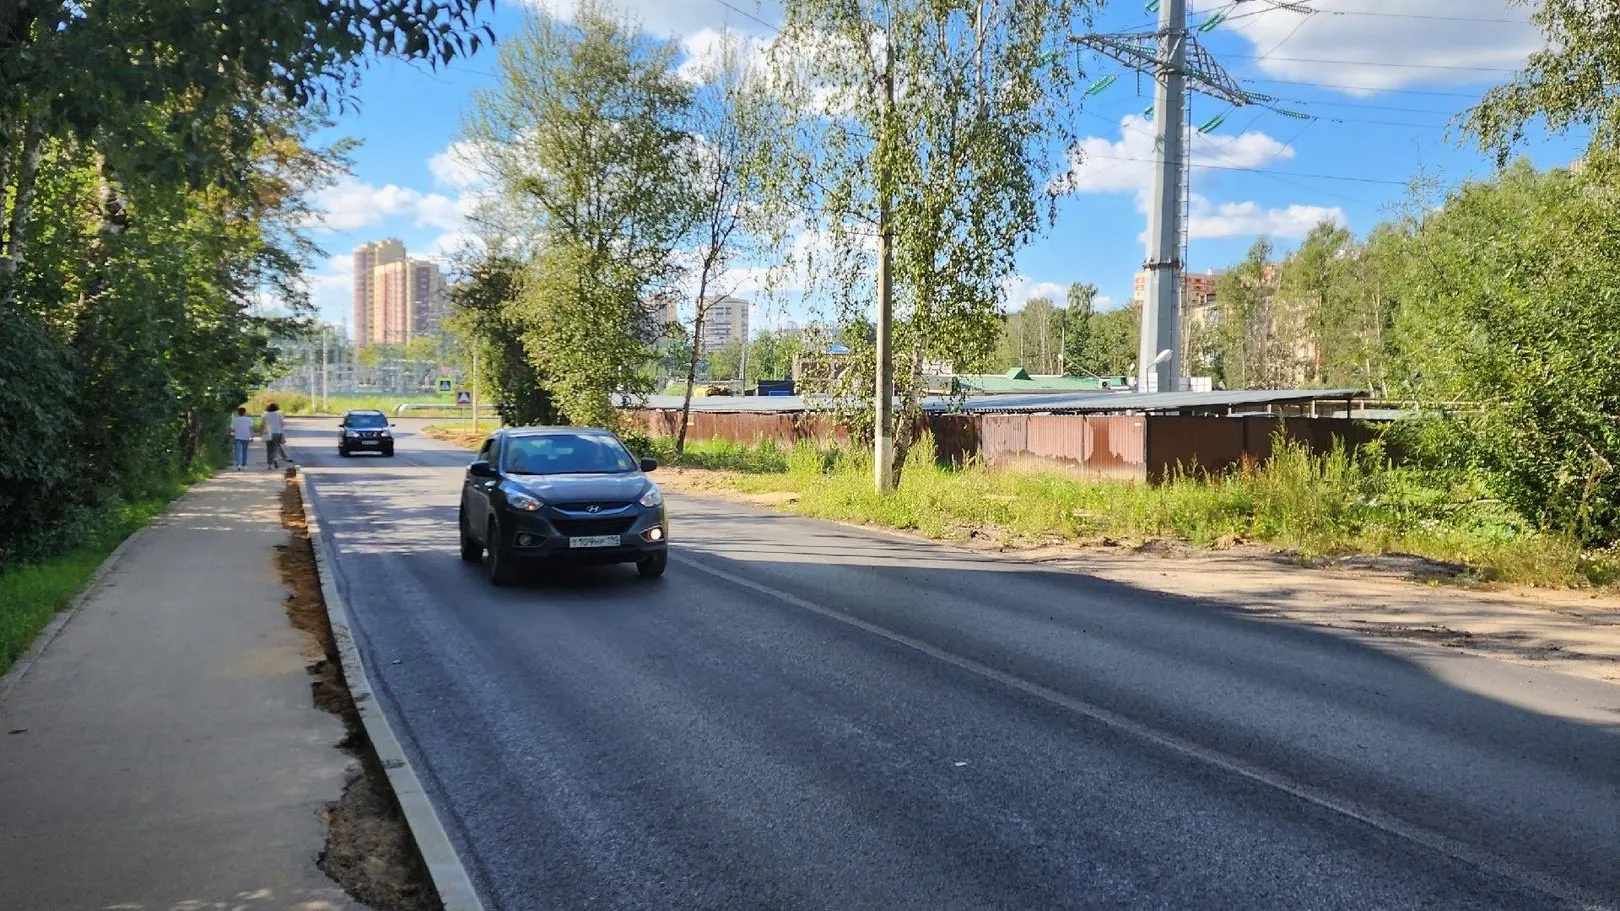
{"x": 481, "y": 469}
{"x": 649, "y": 464}
{"x": 392, "y": 424}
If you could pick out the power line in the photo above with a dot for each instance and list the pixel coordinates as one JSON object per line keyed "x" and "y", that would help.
{"x": 1248, "y": 170}
{"x": 1363, "y": 88}
{"x": 1374, "y": 13}
{"x": 1379, "y": 63}
{"x": 1360, "y": 106}
{"x": 747, "y": 15}
{"x": 1423, "y": 16}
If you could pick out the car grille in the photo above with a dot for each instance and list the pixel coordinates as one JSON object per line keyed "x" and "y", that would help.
{"x": 585, "y": 505}
{"x": 614, "y": 526}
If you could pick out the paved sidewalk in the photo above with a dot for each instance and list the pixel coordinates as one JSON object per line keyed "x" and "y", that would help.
{"x": 163, "y": 754}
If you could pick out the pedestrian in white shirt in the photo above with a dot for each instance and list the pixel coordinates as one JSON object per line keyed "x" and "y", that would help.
{"x": 241, "y": 436}
{"x": 275, "y": 439}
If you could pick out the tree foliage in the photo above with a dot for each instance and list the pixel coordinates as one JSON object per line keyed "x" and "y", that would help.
{"x": 583, "y": 135}
{"x": 1568, "y": 83}
{"x": 935, "y": 121}
{"x": 155, "y": 165}
{"x": 482, "y": 314}
{"x": 1495, "y": 308}
{"x": 740, "y": 127}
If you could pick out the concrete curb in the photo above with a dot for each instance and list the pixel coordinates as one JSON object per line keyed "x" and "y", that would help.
{"x": 48, "y": 635}
{"x": 444, "y": 865}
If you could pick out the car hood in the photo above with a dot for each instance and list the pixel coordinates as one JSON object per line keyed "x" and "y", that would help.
{"x": 581, "y": 488}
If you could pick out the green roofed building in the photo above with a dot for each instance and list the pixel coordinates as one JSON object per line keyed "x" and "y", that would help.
{"x": 1018, "y": 380}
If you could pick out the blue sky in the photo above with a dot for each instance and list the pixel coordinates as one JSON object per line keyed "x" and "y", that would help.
{"x": 1380, "y": 80}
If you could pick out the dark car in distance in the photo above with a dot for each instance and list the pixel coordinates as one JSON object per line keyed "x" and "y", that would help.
{"x": 365, "y": 431}
{"x": 561, "y": 495}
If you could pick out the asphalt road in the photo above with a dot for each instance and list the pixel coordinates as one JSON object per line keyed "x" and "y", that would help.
{"x": 805, "y": 716}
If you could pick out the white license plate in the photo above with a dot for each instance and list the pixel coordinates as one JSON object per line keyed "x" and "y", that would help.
{"x": 595, "y": 541}
{"x": 371, "y": 442}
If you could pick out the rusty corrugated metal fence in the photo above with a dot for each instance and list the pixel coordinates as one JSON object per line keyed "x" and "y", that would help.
{"x": 1111, "y": 447}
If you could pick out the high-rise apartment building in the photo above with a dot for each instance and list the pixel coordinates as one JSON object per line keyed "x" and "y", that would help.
{"x": 367, "y": 257}
{"x": 1197, "y": 292}
{"x": 725, "y": 320}
{"x": 396, "y": 297}
{"x": 429, "y": 297}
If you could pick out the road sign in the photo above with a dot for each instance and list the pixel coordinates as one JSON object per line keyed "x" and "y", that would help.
{"x": 464, "y": 397}
{"x": 446, "y": 384}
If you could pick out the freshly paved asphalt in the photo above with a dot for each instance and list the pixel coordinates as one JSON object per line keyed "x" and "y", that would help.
{"x": 802, "y": 715}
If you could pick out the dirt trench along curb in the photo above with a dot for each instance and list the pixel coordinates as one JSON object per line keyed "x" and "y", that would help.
{"x": 46, "y": 636}
{"x": 444, "y": 865}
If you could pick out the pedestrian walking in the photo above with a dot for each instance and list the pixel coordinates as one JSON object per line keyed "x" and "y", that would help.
{"x": 241, "y": 436}
{"x": 275, "y": 438}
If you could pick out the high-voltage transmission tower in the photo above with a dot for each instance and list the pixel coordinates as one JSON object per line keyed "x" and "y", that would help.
{"x": 1178, "y": 64}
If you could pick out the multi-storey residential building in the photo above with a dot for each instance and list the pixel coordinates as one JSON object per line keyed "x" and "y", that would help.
{"x": 428, "y": 299}
{"x": 1197, "y": 294}
{"x": 367, "y": 257}
{"x": 725, "y": 320}
{"x": 396, "y": 297}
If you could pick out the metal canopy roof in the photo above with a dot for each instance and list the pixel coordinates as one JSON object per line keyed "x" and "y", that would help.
{"x": 1071, "y": 403}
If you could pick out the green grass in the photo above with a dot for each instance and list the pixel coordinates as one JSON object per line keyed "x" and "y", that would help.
{"x": 31, "y": 595}
{"x": 718, "y": 455}
{"x": 297, "y": 403}
{"x": 1317, "y": 506}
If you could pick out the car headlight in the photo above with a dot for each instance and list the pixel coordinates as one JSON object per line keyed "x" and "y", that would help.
{"x": 351, "y": 433}
{"x": 517, "y": 499}
{"x": 385, "y": 434}
{"x": 653, "y": 497}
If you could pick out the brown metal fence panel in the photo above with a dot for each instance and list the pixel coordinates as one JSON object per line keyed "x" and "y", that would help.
{"x": 956, "y": 438}
{"x": 1191, "y": 443}
{"x": 1002, "y": 438}
{"x": 1322, "y": 432}
{"x": 1116, "y": 448}
{"x": 1057, "y": 441}
{"x": 1257, "y": 437}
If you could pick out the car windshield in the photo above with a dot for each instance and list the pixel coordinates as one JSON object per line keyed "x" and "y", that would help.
{"x": 566, "y": 453}
{"x": 367, "y": 421}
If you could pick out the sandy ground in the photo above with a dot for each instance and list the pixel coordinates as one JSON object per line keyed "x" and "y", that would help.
{"x": 1574, "y": 632}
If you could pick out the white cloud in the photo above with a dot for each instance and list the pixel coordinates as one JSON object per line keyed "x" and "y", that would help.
{"x": 670, "y": 17}
{"x": 350, "y": 205}
{"x": 1126, "y": 165}
{"x": 331, "y": 288}
{"x": 456, "y": 168}
{"x": 1209, "y": 220}
{"x": 1387, "y": 43}
{"x": 1102, "y": 165}
{"x": 708, "y": 48}
{"x": 448, "y": 245}
{"x": 1021, "y": 289}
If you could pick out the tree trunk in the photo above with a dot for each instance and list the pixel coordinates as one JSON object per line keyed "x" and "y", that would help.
{"x": 691, "y": 366}
{"x": 33, "y": 152}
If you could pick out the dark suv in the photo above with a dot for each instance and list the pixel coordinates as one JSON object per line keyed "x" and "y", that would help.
{"x": 563, "y": 494}
{"x": 365, "y": 431}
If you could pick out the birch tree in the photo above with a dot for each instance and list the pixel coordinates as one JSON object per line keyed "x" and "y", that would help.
{"x": 928, "y": 130}
{"x": 738, "y": 127}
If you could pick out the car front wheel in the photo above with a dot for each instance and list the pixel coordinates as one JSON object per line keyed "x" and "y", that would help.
{"x": 471, "y": 550}
{"x": 496, "y": 563}
{"x": 652, "y": 567}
